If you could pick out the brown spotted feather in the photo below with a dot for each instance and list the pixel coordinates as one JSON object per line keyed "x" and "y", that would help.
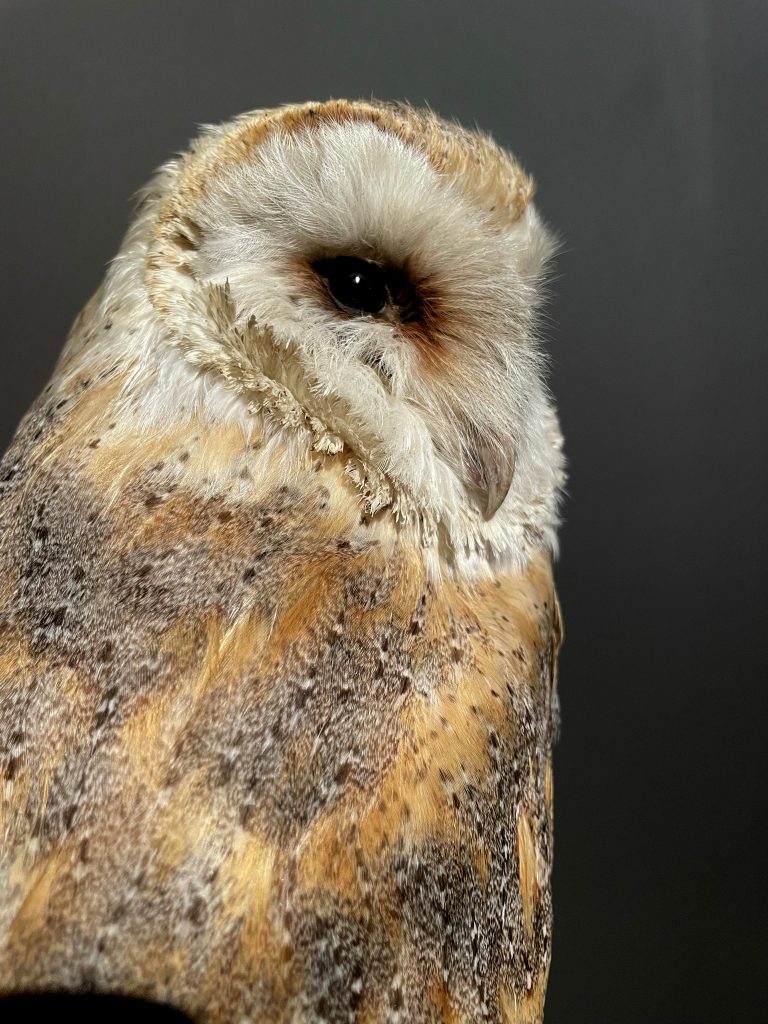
{"x": 258, "y": 759}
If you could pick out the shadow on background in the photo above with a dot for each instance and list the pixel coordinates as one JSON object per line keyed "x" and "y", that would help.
{"x": 86, "y": 1009}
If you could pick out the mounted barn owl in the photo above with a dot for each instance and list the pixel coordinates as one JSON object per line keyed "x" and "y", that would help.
{"x": 277, "y": 621}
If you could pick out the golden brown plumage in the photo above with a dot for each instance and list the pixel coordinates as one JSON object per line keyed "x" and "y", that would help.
{"x": 275, "y": 740}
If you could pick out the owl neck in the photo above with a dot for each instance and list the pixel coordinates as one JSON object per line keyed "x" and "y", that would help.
{"x": 166, "y": 373}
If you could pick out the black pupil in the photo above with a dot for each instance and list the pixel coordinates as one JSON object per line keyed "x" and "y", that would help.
{"x": 357, "y": 286}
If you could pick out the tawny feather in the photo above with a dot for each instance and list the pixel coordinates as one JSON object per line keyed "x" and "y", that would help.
{"x": 277, "y": 621}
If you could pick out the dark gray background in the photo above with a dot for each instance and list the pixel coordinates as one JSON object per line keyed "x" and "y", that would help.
{"x": 645, "y": 124}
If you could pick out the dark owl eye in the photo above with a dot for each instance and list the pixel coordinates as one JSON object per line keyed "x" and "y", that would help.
{"x": 357, "y": 286}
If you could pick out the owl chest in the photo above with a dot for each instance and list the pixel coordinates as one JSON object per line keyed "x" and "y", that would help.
{"x": 222, "y": 736}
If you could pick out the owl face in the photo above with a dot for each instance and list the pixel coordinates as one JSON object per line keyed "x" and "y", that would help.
{"x": 383, "y": 268}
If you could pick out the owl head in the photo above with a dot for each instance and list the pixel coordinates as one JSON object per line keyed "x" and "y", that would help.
{"x": 367, "y": 276}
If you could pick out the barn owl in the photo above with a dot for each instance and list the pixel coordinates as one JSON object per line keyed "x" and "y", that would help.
{"x": 278, "y": 628}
